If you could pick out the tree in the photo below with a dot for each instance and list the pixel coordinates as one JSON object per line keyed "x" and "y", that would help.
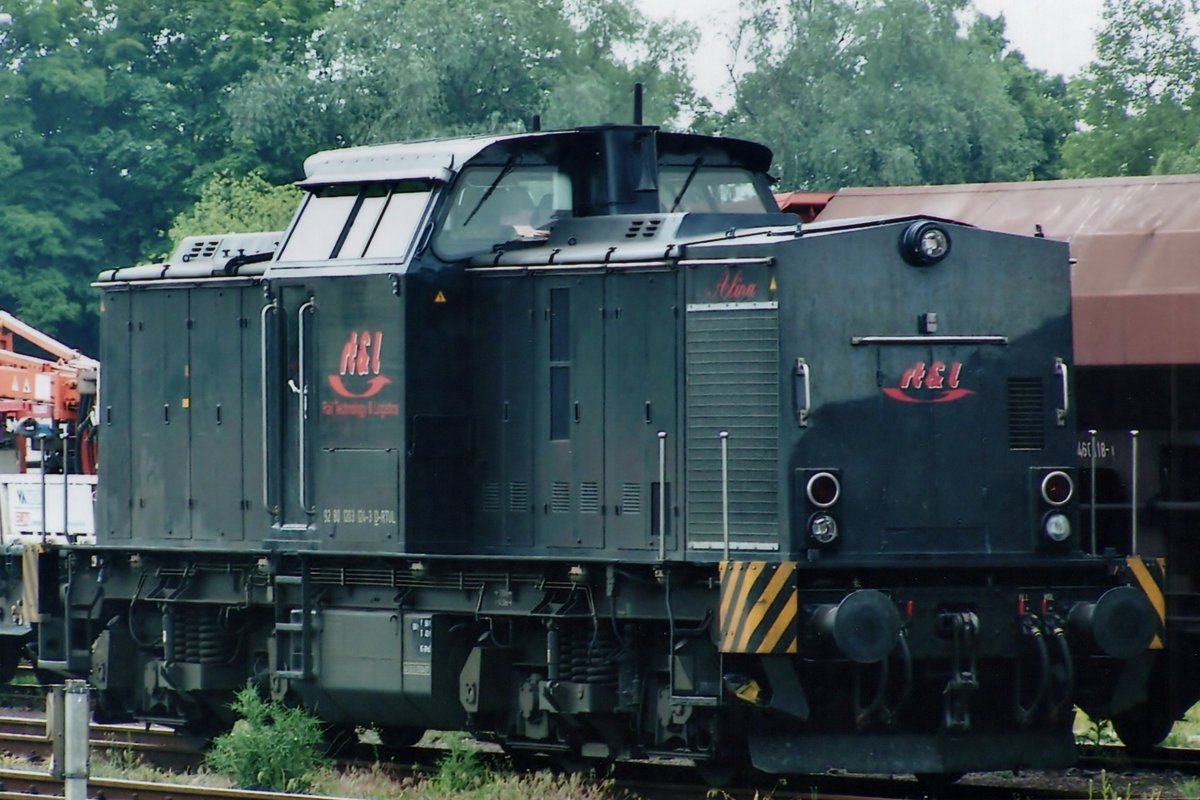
{"x": 230, "y": 204}
{"x": 1138, "y": 98}
{"x": 409, "y": 69}
{"x": 892, "y": 92}
{"x": 111, "y": 117}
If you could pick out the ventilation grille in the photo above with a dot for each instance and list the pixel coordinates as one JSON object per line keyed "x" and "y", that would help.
{"x": 631, "y": 498}
{"x": 518, "y": 497}
{"x": 1026, "y": 414}
{"x": 491, "y": 496}
{"x": 643, "y": 229}
{"x": 589, "y": 498}
{"x": 733, "y": 385}
{"x": 201, "y": 248}
{"x": 560, "y": 497}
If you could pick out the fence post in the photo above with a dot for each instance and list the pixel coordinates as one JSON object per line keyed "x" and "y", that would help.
{"x": 75, "y": 763}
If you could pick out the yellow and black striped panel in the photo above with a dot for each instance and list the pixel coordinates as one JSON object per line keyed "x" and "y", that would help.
{"x": 29, "y": 583}
{"x": 1150, "y": 575}
{"x": 759, "y": 607}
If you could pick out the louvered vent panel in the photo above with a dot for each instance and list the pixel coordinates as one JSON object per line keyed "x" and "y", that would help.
{"x": 631, "y": 498}
{"x": 733, "y": 385}
{"x": 644, "y": 228}
{"x": 491, "y": 496}
{"x": 1026, "y": 414}
{"x": 589, "y": 498}
{"x": 518, "y": 497}
{"x": 560, "y": 497}
{"x": 201, "y": 248}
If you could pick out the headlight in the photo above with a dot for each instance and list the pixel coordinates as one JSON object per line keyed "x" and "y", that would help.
{"x": 1056, "y": 526}
{"x": 924, "y": 243}
{"x": 822, "y": 528}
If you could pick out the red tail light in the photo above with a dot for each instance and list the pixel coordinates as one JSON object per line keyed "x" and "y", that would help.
{"x": 1057, "y": 488}
{"x": 823, "y": 489}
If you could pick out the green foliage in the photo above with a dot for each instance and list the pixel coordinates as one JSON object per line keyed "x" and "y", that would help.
{"x": 1107, "y": 790}
{"x": 1186, "y": 789}
{"x": 230, "y": 204}
{"x": 111, "y": 116}
{"x": 1138, "y": 99}
{"x": 461, "y": 769}
{"x": 270, "y": 747}
{"x": 1094, "y": 732}
{"x": 1185, "y": 732}
{"x": 388, "y": 71}
{"x": 892, "y": 92}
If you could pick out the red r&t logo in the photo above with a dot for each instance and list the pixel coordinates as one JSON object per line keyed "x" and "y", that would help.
{"x": 935, "y": 383}
{"x": 360, "y": 358}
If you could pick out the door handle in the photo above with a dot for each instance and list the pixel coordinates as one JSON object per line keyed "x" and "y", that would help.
{"x": 802, "y": 392}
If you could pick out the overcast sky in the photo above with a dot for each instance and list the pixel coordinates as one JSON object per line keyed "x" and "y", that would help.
{"x": 1054, "y": 35}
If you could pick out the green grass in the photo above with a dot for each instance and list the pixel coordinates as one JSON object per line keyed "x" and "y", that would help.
{"x": 461, "y": 774}
{"x": 1186, "y": 732}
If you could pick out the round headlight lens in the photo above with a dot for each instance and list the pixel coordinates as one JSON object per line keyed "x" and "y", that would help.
{"x": 823, "y": 489}
{"x": 1057, "y": 527}
{"x": 823, "y": 528}
{"x": 934, "y": 244}
{"x": 924, "y": 243}
{"x": 1057, "y": 488}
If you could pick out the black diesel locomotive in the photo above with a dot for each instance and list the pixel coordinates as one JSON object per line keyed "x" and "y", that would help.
{"x": 571, "y": 440}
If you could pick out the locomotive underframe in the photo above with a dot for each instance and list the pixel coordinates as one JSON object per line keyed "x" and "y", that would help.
{"x": 589, "y": 659}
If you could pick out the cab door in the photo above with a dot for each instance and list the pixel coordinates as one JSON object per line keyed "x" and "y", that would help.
{"x": 287, "y": 393}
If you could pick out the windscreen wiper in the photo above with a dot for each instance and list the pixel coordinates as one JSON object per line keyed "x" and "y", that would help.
{"x": 507, "y": 168}
{"x": 687, "y": 183}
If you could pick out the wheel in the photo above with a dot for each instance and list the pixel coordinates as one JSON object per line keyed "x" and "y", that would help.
{"x": 1144, "y": 728}
{"x": 400, "y": 737}
{"x": 524, "y": 760}
{"x": 936, "y": 784}
{"x": 571, "y": 762}
{"x": 719, "y": 774}
{"x": 10, "y": 657}
{"x": 340, "y": 740}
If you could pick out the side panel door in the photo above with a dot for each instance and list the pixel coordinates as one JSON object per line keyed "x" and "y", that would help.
{"x": 159, "y": 355}
{"x": 568, "y": 429}
{"x": 114, "y": 496}
{"x": 640, "y": 404}
{"x": 216, "y": 414}
{"x": 504, "y": 340}
{"x": 256, "y": 518}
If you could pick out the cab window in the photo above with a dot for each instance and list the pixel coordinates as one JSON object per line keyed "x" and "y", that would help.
{"x": 351, "y": 221}
{"x": 493, "y": 205}
{"x": 724, "y": 190}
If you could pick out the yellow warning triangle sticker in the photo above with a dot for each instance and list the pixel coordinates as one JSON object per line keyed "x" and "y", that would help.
{"x": 772, "y": 287}
{"x": 439, "y": 298}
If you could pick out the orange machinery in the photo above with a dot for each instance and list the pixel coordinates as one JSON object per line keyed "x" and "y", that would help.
{"x": 40, "y": 394}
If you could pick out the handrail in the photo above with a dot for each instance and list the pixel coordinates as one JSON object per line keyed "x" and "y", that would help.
{"x": 272, "y": 508}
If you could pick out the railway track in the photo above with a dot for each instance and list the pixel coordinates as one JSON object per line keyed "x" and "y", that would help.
{"x": 20, "y": 784}
{"x": 159, "y": 747}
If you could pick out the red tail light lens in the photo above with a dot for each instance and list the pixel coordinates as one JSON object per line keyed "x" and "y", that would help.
{"x": 1057, "y": 488}
{"x": 823, "y": 489}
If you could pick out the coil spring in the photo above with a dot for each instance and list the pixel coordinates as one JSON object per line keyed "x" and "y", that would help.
{"x": 197, "y": 637}
{"x": 589, "y": 656}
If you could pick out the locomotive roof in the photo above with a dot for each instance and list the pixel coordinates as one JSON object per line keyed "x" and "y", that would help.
{"x": 1135, "y": 288}
{"x": 438, "y": 159}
